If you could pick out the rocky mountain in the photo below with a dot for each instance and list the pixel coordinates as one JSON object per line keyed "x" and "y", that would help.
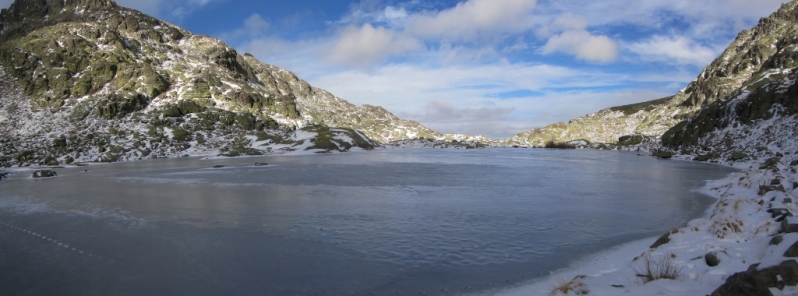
{"x": 754, "y": 113}
{"x": 649, "y": 119}
{"x": 757, "y": 56}
{"x": 86, "y": 80}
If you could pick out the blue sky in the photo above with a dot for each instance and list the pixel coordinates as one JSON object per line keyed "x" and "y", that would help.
{"x": 490, "y": 67}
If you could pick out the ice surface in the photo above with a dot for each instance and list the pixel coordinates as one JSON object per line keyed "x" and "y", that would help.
{"x": 737, "y": 227}
{"x": 386, "y": 221}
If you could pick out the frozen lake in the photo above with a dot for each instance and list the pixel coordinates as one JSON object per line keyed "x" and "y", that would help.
{"x": 383, "y": 222}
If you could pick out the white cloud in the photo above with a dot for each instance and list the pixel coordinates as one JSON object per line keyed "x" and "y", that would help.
{"x": 150, "y": 7}
{"x": 199, "y": 2}
{"x": 366, "y": 45}
{"x": 583, "y": 45}
{"x": 394, "y": 15}
{"x": 477, "y": 118}
{"x": 373, "y": 34}
{"x": 472, "y": 19}
{"x": 177, "y": 9}
{"x": 674, "y": 49}
{"x": 705, "y": 18}
{"x": 371, "y": 11}
{"x": 449, "y": 99}
{"x": 519, "y": 45}
{"x": 444, "y": 111}
{"x": 568, "y": 34}
{"x": 254, "y": 26}
{"x": 303, "y": 57}
{"x": 485, "y": 118}
{"x": 565, "y": 22}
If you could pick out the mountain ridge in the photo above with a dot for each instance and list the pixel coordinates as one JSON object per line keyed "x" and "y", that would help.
{"x": 96, "y": 66}
{"x": 742, "y": 61}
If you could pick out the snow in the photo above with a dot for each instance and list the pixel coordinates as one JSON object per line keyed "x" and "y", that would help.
{"x": 738, "y": 228}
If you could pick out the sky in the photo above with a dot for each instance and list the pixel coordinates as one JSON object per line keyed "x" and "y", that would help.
{"x": 479, "y": 67}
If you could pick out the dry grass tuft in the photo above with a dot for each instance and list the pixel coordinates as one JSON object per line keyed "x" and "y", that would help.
{"x": 721, "y": 229}
{"x": 576, "y": 285}
{"x": 737, "y": 204}
{"x": 650, "y": 269}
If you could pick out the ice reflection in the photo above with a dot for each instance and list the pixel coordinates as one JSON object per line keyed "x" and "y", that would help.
{"x": 397, "y": 220}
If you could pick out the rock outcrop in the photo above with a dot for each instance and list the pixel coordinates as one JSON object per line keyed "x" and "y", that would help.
{"x": 752, "y": 80}
{"x": 88, "y": 80}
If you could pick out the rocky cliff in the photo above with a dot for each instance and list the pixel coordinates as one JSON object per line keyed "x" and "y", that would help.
{"x": 82, "y": 76}
{"x": 651, "y": 119}
{"x": 754, "y": 114}
{"x": 757, "y": 56}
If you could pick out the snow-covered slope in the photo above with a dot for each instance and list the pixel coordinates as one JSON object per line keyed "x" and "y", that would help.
{"x": 739, "y": 231}
{"x": 76, "y": 68}
{"x": 651, "y": 119}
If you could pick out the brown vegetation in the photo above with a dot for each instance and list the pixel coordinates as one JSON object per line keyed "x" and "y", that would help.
{"x": 558, "y": 145}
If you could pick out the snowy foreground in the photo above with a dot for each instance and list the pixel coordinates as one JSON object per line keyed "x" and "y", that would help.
{"x": 737, "y": 229}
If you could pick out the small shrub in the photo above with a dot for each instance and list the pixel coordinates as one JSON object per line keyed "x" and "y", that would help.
{"x": 650, "y": 269}
{"x": 179, "y": 134}
{"x": 558, "y": 145}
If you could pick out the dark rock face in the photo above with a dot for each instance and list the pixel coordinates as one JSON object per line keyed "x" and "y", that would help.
{"x": 792, "y": 251}
{"x": 788, "y": 270}
{"x": 738, "y": 156}
{"x": 44, "y": 174}
{"x": 183, "y": 107}
{"x": 788, "y": 227}
{"x": 64, "y": 50}
{"x": 703, "y": 157}
{"x": 327, "y": 140}
{"x": 748, "y": 52}
{"x": 663, "y": 154}
{"x": 721, "y": 89}
{"x": 770, "y": 163}
{"x": 103, "y": 65}
{"x": 84, "y": 46}
{"x": 50, "y": 161}
{"x": 664, "y": 239}
{"x": 757, "y": 282}
{"x": 711, "y": 259}
{"x": 776, "y": 212}
{"x": 743, "y": 284}
{"x": 629, "y": 140}
{"x": 721, "y": 114}
{"x": 768, "y": 188}
{"x": 24, "y": 16}
{"x": 776, "y": 240}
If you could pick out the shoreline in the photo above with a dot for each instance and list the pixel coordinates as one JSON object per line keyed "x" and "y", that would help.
{"x": 613, "y": 266}
{"x": 599, "y": 263}
{"x": 736, "y": 228}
